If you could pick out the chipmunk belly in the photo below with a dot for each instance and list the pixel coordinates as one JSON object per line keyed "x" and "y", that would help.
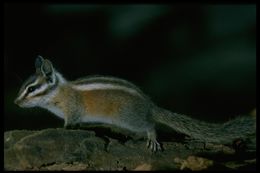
{"x": 102, "y": 103}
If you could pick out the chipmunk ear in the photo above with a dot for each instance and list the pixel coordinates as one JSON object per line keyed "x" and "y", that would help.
{"x": 47, "y": 68}
{"x": 38, "y": 63}
{"x": 44, "y": 67}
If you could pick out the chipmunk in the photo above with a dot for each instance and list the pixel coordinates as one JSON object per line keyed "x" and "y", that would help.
{"x": 118, "y": 102}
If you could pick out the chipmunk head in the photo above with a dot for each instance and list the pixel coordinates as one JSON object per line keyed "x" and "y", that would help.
{"x": 35, "y": 89}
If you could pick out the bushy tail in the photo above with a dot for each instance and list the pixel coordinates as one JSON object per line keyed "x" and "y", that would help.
{"x": 243, "y": 127}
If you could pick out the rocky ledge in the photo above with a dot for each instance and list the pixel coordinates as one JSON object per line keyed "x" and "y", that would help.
{"x": 60, "y": 149}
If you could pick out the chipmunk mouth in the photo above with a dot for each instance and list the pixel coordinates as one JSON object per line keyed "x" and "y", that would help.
{"x": 21, "y": 103}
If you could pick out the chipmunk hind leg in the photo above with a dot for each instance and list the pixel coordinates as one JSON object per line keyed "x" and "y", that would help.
{"x": 143, "y": 127}
{"x": 152, "y": 142}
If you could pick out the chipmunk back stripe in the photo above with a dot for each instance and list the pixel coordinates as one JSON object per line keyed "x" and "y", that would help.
{"x": 104, "y": 86}
{"x": 105, "y": 79}
{"x": 109, "y": 81}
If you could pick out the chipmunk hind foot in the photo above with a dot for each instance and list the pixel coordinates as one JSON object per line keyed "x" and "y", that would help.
{"x": 152, "y": 142}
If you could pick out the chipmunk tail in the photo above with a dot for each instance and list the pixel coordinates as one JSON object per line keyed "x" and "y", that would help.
{"x": 242, "y": 127}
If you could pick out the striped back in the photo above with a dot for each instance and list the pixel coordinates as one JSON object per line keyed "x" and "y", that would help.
{"x": 107, "y": 83}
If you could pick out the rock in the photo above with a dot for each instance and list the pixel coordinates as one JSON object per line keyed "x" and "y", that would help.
{"x": 143, "y": 167}
{"x": 60, "y": 149}
{"x": 194, "y": 163}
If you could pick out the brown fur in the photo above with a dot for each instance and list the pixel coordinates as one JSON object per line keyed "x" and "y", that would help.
{"x": 100, "y": 102}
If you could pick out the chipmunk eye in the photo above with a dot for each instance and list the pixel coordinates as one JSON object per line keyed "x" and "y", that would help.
{"x": 31, "y": 89}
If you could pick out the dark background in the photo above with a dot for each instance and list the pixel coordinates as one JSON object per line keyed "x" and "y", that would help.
{"x": 198, "y": 60}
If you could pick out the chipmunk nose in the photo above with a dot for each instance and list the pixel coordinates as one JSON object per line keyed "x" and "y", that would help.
{"x": 16, "y": 101}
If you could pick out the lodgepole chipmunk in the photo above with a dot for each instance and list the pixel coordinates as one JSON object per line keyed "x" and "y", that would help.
{"x": 116, "y": 101}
